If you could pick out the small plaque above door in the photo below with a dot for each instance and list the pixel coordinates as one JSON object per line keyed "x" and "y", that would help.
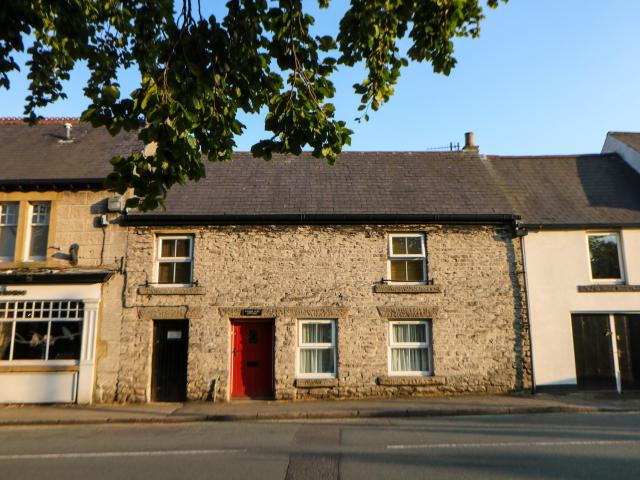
{"x": 251, "y": 312}
{"x": 174, "y": 334}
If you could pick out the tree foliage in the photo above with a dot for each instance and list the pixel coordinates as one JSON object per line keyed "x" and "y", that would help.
{"x": 198, "y": 74}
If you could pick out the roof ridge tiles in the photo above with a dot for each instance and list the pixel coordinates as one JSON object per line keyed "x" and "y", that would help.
{"x": 550, "y": 157}
{"x": 46, "y": 120}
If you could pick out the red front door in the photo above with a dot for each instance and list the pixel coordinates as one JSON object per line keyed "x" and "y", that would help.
{"x": 252, "y": 359}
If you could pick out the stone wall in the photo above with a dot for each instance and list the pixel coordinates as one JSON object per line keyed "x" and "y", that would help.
{"x": 476, "y": 305}
{"x": 77, "y": 220}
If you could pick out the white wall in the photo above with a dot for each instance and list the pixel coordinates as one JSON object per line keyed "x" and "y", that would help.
{"x": 48, "y": 386}
{"x": 631, "y": 156}
{"x": 556, "y": 263}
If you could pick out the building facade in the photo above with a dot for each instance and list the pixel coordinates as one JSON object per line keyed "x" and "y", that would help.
{"x": 581, "y": 215}
{"x": 292, "y": 279}
{"x": 299, "y": 311}
{"x": 61, "y": 257}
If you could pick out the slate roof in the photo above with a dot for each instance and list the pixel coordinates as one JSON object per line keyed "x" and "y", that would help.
{"x": 630, "y": 138}
{"x": 360, "y": 183}
{"x": 578, "y": 190}
{"x": 39, "y": 154}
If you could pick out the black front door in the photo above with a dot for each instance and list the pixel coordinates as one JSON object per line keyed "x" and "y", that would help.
{"x": 628, "y": 343}
{"x": 169, "y": 369}
{"x": 593, "y": 352}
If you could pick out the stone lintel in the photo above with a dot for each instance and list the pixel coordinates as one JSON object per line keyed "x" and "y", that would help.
{"x": 169, "y": 313}
{"x": 317, "y": 312}
{"x": 608, "y": 288}
{"x": 171, "y": 290}
{"x": 273, "y": 312}
{"x": 393, "y": 381}
{"x": 316, "y": 382}
{"x": 408, "y": 312}
{"x": 385, "y": 288}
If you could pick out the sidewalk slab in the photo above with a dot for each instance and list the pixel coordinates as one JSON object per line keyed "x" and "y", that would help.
{"x": 17, "y": 415}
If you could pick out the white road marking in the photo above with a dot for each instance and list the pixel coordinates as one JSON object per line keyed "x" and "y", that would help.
{"x": 149, "y": 453}
{"x": 513, "y": 444}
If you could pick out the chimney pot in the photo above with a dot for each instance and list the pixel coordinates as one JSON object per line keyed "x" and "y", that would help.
{"x": 470, "y": 141}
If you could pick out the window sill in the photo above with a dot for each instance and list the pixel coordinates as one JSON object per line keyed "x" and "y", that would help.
{"x": 38, "y": 368}
{"x": 387, "y": 288}
{"x": 171, "y": 290}
{"x": 417, "y": 380}
{"x": 604, "y": 288}
{"x": 316, "y": 382}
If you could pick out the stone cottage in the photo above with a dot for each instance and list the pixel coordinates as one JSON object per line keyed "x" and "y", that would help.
{"x": 388, "y": 274}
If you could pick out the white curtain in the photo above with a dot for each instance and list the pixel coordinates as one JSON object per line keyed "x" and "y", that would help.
{"x": 316, "y": 360}
{"x": 409, "y": 333}
{"x": 316, "y": 333}
{"x": 409, "y": 360}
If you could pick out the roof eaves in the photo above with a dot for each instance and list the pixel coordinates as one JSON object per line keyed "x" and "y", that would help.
{"x": 319, "y": 219}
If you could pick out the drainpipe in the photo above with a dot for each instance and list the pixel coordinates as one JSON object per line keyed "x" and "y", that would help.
{"x": 522, "y": 232}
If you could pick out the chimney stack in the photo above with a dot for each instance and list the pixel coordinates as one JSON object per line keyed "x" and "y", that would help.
{"x": 470, "y": 142}
{"x": 67, "y": 131}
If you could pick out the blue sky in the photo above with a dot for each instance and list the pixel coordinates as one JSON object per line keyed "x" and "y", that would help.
{"x": 545, "y": 77}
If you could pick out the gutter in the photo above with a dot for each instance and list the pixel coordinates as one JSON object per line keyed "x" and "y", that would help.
{"x": 49, "y": 183}
{"x": 319, "y": 219}
{"x": 536, "y": 227}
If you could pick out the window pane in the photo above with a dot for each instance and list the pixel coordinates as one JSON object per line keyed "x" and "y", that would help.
{"x": 31, "y": 341}
{"x": 407, "y": 270}
{"x": 409, "y": 332}
{"x": 316, "y": 360}
{"x": 182, "y": 248}
{"x": 40, "y": 213}
{"x": 399, "y": 245}
{"x": 168, "y": 248}
{"x": 9, "y": 213}
{"x": 415, "y": 271}
{"x": 5, "y": 339}
{"x": 316, "y": 333}
{"x": 38, "y": 243}
{"x": 183, "y": 272}
{"x": 414, "y": 245}
{"x": 165, "y": 272}
{"x": 7, "y": 241}
{"x": 398, "y": 270}
{"x": 604, "y": 256}
{"x": 65, "y": 341}
{"x": 409, "y": 360}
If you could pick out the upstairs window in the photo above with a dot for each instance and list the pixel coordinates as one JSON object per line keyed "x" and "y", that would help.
{"x": 8, "y": 230}
{"x": 407, "y": 258}
{"x": 39, "y": 230}
{"x": 605, "y": 257}
{"x": 175, "y": 260}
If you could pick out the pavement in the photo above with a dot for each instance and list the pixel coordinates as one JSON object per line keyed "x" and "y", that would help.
{"x": 327, "y": 409}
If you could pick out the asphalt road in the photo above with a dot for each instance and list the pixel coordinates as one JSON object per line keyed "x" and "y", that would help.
{"x": 529, "y": 446}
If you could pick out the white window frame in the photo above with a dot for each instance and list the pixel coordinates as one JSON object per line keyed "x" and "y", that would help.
{"x": 159, "y": 258}
{"x": 392, "y": 256}
{"x": 316, "y": 346}
{"x": 49, "y": 321}
{"x": 30, "y": 225}
{"x": 15, "y": 245}
{"x": 427, "y": 344}
{"x": 620, "y": 280}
